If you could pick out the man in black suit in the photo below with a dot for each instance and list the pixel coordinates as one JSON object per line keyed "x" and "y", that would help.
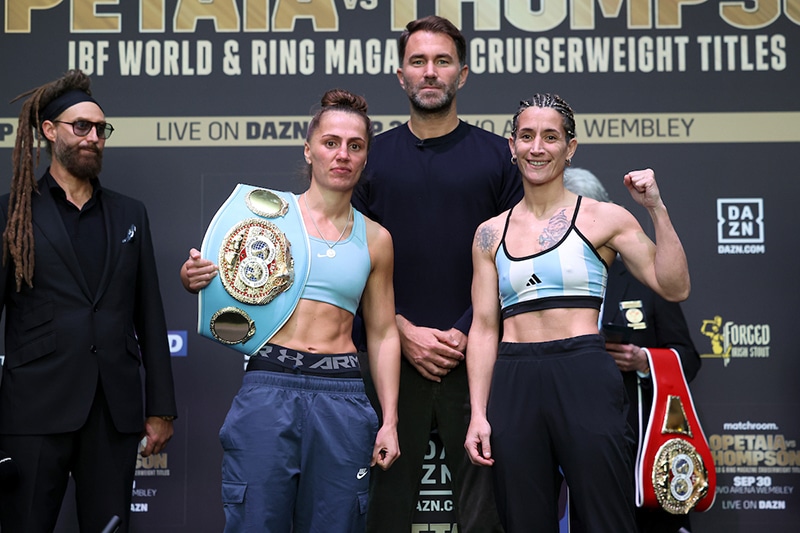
{"x": 654, "y": 323}
{"x": 83, "y": 314}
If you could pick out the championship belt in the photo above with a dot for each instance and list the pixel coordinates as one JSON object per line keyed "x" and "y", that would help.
{"x": 674, "y": 466}
{"x": 258, "y": 240}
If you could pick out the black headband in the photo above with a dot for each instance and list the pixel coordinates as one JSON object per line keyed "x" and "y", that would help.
{"x": 63, "y": 102}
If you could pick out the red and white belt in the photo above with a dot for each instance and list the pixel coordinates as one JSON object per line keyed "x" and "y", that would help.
{"x": 674, "y": 466}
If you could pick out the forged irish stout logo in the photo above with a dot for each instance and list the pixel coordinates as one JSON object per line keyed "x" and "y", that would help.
{"x": 740, "y": 226}
{"x": 731, "y": 340}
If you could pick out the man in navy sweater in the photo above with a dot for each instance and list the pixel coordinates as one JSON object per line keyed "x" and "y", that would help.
{"x": 430, "y": 182}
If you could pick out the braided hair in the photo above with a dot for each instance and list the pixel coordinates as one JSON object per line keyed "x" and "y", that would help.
{"x": 552, "y": 101}
{"x": 18, "y": 233}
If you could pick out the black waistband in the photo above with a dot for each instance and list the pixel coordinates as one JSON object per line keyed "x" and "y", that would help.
{"x": 552, "y": 302}
{"x": 274, "y": 358}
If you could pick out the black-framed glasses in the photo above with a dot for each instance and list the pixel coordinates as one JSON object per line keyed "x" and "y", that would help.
{"x": 81, "y": 128}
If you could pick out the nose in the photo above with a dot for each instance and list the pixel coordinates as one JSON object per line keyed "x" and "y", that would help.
{"x": 343, "y": 152}
{"x": 92, "y": 135}
{"x": 536, "y": 145}
{"x": 430, "y": 70}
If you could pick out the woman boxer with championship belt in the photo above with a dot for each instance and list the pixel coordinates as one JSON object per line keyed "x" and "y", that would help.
{"x": 557, "y": 397}
{"x": 301, "y": 435}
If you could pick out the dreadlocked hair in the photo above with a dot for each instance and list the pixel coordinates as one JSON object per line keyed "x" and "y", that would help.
{"x": 18, "y": 234}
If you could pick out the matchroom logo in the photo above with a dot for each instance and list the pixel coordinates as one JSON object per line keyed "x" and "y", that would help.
{"x": 740, "y": 226}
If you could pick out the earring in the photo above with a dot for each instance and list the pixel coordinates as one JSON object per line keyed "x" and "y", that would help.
{"x": 513, "y": 160}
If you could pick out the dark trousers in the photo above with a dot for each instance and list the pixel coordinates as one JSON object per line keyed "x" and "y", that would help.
{"x": 102, "y": 463}
{"x": 647, "y": 521}
{"x": 561, "y": 403}
{"x": 297, "y": 453}
{"x": 424, "y": 405}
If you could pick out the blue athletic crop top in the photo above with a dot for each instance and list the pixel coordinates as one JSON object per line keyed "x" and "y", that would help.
{"x": 341, "y": 279}
{"x": 570, "y": 274}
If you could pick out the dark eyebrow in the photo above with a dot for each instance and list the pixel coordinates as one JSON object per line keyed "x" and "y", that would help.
{"x": 443, "y": 55}
{"x": 339, "y": 138}
{"x": 548, "y": 130}
{"x": 82, "y": 119}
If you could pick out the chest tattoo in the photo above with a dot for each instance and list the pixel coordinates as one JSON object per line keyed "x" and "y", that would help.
{"x": 556, "y": 227}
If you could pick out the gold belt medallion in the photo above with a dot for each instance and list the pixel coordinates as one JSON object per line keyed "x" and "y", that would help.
{"x": 231, "y": 325}
{"x": 680, "y": 479}
{"x": 255, "y": 262}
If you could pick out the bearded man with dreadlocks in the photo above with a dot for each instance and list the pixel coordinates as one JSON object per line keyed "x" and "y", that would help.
{"x": 83, "y": 308}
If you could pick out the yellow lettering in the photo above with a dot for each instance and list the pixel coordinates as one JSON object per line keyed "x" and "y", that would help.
{"x": 151, "y": 16}
{"x": 550, "y": 14}
{"x": 403, "y": 12}
{"x": 225, "y": 15}
{"x": 763, "y": 13}
{"x": 486, "y": 13}
{"x": 669, "y": 12}
{"x": 18, "y": 13}
{"x": 256, "y": 15}
{"x": 793, "y": 10}
{"x": 322, "y": 13}
{"x": 86, "y": 19}
{"x": 582, "y": 14}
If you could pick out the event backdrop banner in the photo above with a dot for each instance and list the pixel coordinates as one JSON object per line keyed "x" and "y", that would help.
{"x": 205, "y": 94}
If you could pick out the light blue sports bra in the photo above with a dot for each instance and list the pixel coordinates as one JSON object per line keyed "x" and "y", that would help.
{"x": 570, "y": 274}
{"x": 340, "y": 280}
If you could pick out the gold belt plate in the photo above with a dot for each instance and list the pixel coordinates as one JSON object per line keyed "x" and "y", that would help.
{"x": 255, "y": 262}
{"x": 680, "y": 478}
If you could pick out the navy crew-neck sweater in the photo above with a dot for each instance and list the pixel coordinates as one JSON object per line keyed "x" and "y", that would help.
{"x": 431, "y": 195}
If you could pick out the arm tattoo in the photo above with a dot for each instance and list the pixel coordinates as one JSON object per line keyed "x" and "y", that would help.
{"x": 556, "y": 227}
{"x": 485, "y": 238}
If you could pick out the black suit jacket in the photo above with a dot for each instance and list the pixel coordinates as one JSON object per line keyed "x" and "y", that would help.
{"x": 60, "y": 339}
{"x": 666, "y": 328}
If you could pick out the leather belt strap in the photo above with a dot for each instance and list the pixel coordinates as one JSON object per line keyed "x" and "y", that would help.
{"x": 258, "y": 240}
{"x": 674, "y": 466}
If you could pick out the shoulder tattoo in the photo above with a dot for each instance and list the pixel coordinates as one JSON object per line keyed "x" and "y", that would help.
{"x": 485, "y": 238}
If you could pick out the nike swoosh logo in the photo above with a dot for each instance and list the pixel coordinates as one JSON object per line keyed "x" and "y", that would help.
{"x": 361, "y": 473}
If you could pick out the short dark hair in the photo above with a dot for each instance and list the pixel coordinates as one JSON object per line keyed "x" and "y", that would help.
{"x": 434, "y": 24}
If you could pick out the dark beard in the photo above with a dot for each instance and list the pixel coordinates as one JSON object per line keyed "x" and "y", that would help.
{"x": 433, "y": 107}
{"x": 78, "y": 162}
{"x": 429, "y": 108}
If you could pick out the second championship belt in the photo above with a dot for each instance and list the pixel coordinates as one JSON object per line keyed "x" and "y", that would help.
{"x": 258, "y": 240}
{"x": 674, "y": 466}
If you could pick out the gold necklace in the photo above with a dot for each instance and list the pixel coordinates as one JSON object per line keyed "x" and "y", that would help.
{"x": 331, "y": 252}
